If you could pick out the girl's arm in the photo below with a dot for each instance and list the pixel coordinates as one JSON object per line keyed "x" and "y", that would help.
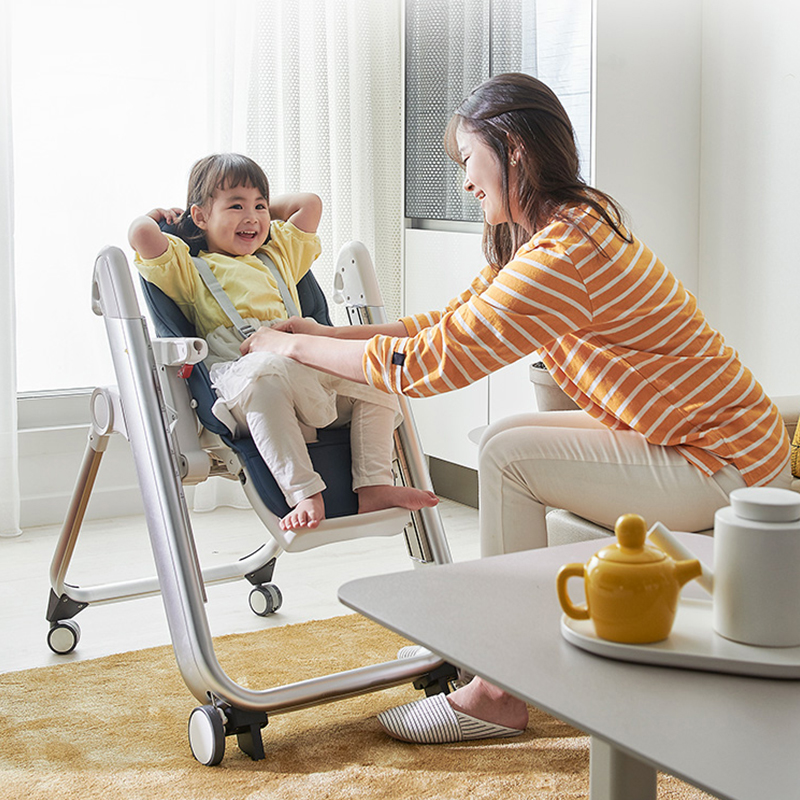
{"x": 302, "y": 209}
{"x": 145, "y": 236}
{"x": 334, "y": 356}
{"x": 311, "y": 327}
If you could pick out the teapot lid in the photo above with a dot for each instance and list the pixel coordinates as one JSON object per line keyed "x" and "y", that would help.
{"x": 630, "y": 548}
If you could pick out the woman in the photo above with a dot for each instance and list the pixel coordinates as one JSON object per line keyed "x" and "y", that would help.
{"x": 671, "y": 421}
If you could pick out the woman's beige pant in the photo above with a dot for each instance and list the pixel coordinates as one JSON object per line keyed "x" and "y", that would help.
{"x": 567, "y": 459}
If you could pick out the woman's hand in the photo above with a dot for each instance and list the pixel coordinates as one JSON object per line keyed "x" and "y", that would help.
{"x": 300, "y": 325}
{"x": 337, "y": 357}
{"x": 266, "y": 340}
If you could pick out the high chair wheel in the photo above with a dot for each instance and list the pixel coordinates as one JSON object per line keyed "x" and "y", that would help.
{"x": 63, "y": 636}
{"x": 265, "y": 599}
{"x": 207, "y": 735}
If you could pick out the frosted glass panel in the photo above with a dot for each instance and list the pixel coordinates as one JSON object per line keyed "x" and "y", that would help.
{"x": 447, "y": 55}
{"x": 451, "y": 47}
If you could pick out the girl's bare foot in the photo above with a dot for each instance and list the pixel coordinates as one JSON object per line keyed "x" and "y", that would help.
{"x": 485, "y": 701}
{"x": 307, "y": 513}
{"x": 375, "y": 498}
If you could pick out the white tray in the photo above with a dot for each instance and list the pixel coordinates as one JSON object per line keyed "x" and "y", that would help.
{"x": 693, "y": 644}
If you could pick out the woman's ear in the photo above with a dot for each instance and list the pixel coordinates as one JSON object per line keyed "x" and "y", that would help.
{"x": 199, "y": 217}
{"x": 515, "y": 150}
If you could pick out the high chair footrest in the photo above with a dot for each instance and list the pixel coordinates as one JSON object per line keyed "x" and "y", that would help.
{"x": 387, "y": 522}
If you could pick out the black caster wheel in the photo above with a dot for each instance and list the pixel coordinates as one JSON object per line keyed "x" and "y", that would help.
{"x": 207, "y": 735}
{"x": 265, "y": 599}
{"x": 63, "y": 636}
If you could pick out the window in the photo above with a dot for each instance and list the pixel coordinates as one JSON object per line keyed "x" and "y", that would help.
{"x": 109, "y": 111}
{"x": 454, "y": 45}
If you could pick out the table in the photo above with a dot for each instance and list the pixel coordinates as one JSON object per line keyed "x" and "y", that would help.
{"x": 498, "y": 617}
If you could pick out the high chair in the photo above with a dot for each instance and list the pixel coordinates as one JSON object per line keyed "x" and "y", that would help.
{"x": 162, "y": 405}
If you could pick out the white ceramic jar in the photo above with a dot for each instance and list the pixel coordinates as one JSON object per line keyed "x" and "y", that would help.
{"x": 756, "y": 597}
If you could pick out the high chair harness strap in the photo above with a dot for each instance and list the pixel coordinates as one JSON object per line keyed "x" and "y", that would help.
{"x": 291, "y": 308}
{"x": 242, "y": 328}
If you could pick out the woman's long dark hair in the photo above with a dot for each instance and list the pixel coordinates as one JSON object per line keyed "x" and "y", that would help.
{"x": 515, "y": 112}
{"x": 218, "y": 171}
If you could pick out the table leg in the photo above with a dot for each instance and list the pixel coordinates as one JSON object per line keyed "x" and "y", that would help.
{"x": 614, "y": 775}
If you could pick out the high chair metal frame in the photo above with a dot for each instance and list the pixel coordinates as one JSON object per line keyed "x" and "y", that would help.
{"x": 152, "y": 408}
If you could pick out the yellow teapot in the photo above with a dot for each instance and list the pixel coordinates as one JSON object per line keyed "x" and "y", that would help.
{"x": 631, "y": 589}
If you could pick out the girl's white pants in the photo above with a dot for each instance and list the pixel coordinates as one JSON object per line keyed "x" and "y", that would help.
{"x": 569, "y": 460}
{"x": 266, "y": 408}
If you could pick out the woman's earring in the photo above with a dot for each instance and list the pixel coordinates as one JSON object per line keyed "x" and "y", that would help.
{"x": 513, "y": 162}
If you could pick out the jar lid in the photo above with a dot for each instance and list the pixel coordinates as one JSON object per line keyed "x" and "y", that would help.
{"x": 630, "y": 548}
{"x": 766, "y": 504}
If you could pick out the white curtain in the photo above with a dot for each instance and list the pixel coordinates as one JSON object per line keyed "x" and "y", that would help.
{"x": 9, "y": 471}
{"x": 311, "y": 90}
{"x": 326, "y": 116}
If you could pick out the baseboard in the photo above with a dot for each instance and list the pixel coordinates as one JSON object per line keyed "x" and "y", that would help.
{"x": 47, "y": 510}
{"x": 454, "y": 481}
{"x": 53, "y": 433}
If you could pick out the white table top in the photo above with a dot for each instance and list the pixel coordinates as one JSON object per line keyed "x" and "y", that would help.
{"x": 499, "y": 618}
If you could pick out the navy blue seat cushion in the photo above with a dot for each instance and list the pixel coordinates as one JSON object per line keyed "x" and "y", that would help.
{"x": 330, "y": 455}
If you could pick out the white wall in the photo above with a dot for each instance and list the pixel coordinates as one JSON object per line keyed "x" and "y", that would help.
{"x": 647, "y": 122}
{"x": 750, "y": 156}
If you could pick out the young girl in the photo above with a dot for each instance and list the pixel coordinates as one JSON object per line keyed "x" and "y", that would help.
{"x": 230, "y": 218}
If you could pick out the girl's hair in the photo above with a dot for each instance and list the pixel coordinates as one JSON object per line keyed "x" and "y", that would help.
{"x": 218, "y": 171}
{"x": 516, "y": 112}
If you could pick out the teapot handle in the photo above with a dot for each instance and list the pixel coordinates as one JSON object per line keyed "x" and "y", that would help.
{"x": 564, "y": 574}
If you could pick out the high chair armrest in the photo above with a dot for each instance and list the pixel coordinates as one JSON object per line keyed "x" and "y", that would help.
{"x": 175, "y": 352}
{"x": 355, "y": 282}
{"x": 171, "y": 356}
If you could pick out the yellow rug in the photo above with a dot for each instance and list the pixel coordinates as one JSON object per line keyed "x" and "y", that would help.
{"x": 116, "y": 728}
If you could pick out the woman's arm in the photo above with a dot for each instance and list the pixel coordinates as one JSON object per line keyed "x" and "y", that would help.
{"x": 334, "y": 356}
{"x": 302, "y": 209}
{"x": 311, "y": 327}
{"x": 145, "y": 236}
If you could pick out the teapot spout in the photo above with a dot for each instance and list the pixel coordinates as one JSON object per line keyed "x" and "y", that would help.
{"x": 686, "y": 571}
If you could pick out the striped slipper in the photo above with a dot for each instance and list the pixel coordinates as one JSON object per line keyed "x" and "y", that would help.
{"x": 411, "y": 650}
{"x": 433, "y": 720}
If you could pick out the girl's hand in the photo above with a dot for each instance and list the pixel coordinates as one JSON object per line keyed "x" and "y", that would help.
{"x": 145, "y": 235}
{"x": 170, "y": 215}
{"x": 300, "y": 325}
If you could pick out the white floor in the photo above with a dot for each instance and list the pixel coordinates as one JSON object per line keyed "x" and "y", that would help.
{"x": 118, "y": 550}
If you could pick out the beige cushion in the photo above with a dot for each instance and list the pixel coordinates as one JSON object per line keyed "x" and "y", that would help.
{"x": 564, "y": 527}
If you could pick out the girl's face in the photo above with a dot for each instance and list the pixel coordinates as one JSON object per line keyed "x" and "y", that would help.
{"x": 484, "y": 177}
{"x": 236, "y": 221}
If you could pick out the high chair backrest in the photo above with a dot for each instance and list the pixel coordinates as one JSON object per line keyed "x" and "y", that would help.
{"x": 169, "y": 321}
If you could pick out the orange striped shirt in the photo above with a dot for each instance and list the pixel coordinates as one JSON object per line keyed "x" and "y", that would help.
{"x": 618, "y": 332}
